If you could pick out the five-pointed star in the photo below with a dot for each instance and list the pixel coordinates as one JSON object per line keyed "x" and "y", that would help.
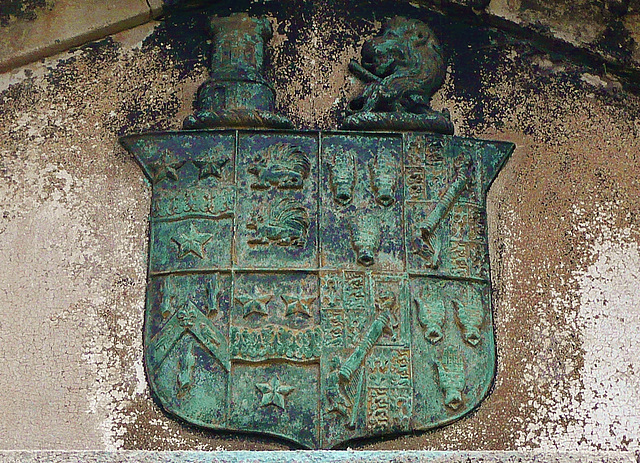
{"x": 254, "y": 303}
{"x": 165, "y": 167}
{"x": 274, "y": 392}
{"x": 192, "y": 242}
{"x": 298, "y": 304}
{"x": 210, "y": 167}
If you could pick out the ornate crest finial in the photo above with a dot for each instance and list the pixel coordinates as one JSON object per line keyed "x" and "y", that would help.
{"x": 236, "y": 93}
{"x": 403, "y": 67}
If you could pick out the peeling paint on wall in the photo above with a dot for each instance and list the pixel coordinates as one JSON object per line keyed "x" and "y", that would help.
{"x": 610, "y": 319}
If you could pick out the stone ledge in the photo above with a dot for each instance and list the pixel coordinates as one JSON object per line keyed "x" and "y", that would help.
{"x": 611, "y": 37}
{"x": 606, "y": 33}
{"x": 69, "y": 24}
{"x": 315, "y": 456}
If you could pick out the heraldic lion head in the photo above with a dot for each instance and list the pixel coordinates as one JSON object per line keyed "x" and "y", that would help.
{"x": 403, "y": 66}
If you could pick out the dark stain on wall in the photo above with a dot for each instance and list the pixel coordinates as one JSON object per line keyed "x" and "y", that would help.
{"x": 616, "y": 41}
{"x": 471, "y": 44}
{"x": 26, "y": 10}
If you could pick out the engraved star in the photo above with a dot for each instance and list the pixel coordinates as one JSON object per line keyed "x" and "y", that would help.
{"x": 254, "y": 303}
{"x": 274, "y": 392}
{"x": 165, "y": 167}
{"x": 210, "y": 167}
{"x": 298, "y": 304}
{"x": 192, "y": 242}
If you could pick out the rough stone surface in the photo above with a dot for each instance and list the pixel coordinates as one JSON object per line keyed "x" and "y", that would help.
{"x": 564, "y": 230}
{"x": 157, "y": 7}
{"x": 315, "y": 457}
{"x": 33, "y": 29}
{"x": 608, "y": 28}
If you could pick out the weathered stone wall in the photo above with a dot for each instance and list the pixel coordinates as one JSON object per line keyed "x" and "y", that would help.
{"x": 33, "y": 29}
{"x": 609, "y": 29}
{"x": 564, "y": 228}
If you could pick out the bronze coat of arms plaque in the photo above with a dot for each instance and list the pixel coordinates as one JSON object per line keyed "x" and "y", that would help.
{"x": 317, "y": 286}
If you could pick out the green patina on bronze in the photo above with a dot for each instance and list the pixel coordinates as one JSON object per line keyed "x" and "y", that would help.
{"x": 403, "y": 67}
{"x": 237, "y": 94}
{"x": 317, "y": 286}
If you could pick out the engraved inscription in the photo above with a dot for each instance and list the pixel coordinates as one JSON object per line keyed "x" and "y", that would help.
{"x": 355, "y": 291}
{"x": 389, "y": 390}
{"x": 335, "y": 326}
{"x": 275, "y": 342}
{"x": 416, "y": 184}
{"x": 332, "y": 308}
{"x": 345, "y": 318}
{"x": 356, "y": 304}
{"x": 468, "y": 255}
{"x": 282, "y": 166}
{"x": 435, "y": 149}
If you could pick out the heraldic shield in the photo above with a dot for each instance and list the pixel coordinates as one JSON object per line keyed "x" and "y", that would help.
{"x": 320, "y": 287}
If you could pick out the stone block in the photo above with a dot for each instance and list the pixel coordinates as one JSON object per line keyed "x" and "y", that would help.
{"x": 32, "y": 33}
{"x": 608, "y": 29}
{"x": 157, "y": 7}
{"x": 316, "y": 456}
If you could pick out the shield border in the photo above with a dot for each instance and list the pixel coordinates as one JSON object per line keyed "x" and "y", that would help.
{"x": 142, "y": 146}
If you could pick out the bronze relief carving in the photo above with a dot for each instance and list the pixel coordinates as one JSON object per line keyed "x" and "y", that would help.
{"x": 319, "y": 286}
{"x": 403, "y": 67}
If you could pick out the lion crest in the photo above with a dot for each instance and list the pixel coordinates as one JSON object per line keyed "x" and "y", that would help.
{"x": 403, "y": 67}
